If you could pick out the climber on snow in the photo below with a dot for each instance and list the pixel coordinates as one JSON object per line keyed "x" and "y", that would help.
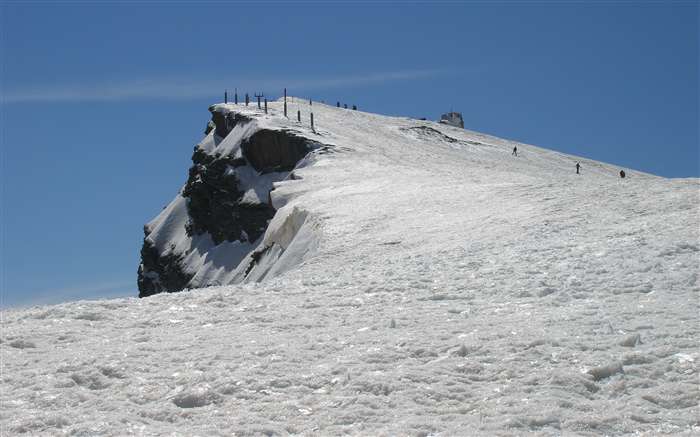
{"x": 578, "y": 167}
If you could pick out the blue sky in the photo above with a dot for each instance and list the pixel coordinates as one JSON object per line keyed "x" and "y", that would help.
{"x": 103, "y": 102}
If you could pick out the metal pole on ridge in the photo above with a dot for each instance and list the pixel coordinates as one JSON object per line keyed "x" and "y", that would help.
{"x": 285, "y": 102}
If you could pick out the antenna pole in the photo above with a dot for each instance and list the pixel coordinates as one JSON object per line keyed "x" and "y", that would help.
{"x": 259, "y": 96}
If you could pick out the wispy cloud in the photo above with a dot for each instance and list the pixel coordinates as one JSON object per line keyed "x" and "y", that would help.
{"x": 100, "y": 290}
{"x": 187, "y": 88}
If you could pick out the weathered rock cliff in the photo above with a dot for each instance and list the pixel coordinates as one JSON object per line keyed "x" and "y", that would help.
{"x": 223, "y": 210}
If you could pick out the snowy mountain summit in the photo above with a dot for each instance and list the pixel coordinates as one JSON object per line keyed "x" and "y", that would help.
{"x": 380, "y": 275}
{"x": 212, "y": 232}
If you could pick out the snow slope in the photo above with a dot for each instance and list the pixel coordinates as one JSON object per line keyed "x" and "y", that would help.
{"x": 423, "y": 281}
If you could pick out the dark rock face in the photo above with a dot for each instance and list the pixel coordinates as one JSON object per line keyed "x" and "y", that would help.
{"x": 220, "y": 124}
{"x": 158, "y": 272}
{"x": 214, "y": 204}
{"x": 269, "y": 150}
{"x": 214, "y": 200}
{"x": 225, "y": 123}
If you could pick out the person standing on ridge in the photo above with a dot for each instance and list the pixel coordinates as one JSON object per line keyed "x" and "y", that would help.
{"x": 622, "y": 174}
{"x": 515, "y": 151}
{"x": 578, "y": 167}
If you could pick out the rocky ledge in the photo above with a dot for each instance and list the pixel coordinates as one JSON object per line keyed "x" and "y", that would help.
{"x": 222, "y": 212}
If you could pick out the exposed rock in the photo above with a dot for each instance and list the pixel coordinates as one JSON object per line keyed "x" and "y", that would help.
{"x": 427, "y": 132}
{"x": 214, "y": 194}
{"x": 255, "y": 258}
{"x": 269, "y": 150}
{"x": 215, "y": 203}
{"x": 224, "y": 123}
{"x": 210, "y": 127}
{"x": 158, "y": 273}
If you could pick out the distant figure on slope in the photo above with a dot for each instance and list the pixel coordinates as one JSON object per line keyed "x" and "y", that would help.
{"x": 578, "y": 167}
{"x": 515, "y": 151}
{"x": 622, "y": 174}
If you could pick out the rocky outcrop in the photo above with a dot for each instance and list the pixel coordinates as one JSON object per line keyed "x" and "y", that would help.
{"x": 224, "y": 204}
{"x": 224, "y": 122}
{"x": 159, "y": 272}
{"x": 215, "y": 201}
{"x": 269, "y": 150}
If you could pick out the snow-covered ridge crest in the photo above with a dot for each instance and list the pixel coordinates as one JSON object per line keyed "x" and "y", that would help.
{"x": 251, "y": 162}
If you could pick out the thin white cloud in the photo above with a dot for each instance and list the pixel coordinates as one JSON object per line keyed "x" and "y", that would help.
{"x": 174, "y": 88}
{"x": 100, "y": 290}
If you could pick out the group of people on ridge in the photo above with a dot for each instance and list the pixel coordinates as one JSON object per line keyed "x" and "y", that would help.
{"x": 578, "y": 164}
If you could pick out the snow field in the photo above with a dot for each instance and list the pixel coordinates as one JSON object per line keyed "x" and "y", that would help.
{"x": 441, "y": 287}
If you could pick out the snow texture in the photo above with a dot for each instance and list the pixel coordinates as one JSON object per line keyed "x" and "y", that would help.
{"x": 417, "y": 280}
